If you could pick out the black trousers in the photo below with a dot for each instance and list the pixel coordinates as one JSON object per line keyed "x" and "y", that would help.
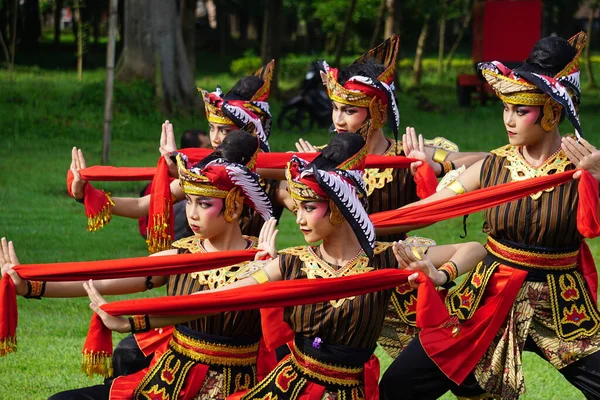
{"x": 413, "y": 375}
{"x": 127, "y": 359}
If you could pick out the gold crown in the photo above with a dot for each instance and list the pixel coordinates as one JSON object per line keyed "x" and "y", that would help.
{"x": 514, "y": 91}
{"x": 195, "y": 184}
{"x": 298, "y": 190}
{"x": 340, "y": 94}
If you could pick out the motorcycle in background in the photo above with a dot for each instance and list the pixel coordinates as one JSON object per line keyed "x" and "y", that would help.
{"x": 312, "y": 106}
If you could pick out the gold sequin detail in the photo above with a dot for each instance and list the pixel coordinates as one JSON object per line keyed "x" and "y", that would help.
{"x": 521, "y": 170}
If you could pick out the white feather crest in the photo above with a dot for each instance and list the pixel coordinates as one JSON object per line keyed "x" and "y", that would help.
{"x": 246, "y": 118}
{"x": 248, "y": 182}
{"x": 347, "y": 195}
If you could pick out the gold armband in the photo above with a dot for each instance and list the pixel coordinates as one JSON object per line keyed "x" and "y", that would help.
{"x": 260, "y": 276}
{"x": 439, "y": 155}
{"x": 456, "y": 187}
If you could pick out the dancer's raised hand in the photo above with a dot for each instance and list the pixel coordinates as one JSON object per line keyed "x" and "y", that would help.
{"x": 267, "y": 240}
{"x": 117, "y": 324}
{"x": 583, "y": 155}
{"x": 414, "y": 147}
{"x": 303, "y": 146}
{"x": 167, "y": 146}
{"x": 8, "y": 259}
{"x": 77, "y": 163}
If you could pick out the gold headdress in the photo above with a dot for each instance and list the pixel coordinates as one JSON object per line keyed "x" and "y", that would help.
{"x": 375, "y": 94}
{"x": 230, "y": 181}
{"x": 343, "y": 187}
{"x": 552, "y": 93}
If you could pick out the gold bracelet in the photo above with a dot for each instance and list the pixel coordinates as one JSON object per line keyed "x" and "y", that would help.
{"x": 439, "y": 155}
{"x": 260, "y": 276}
{"x": 456, "y": 187}
{"x": 35, "y": 289}
{"x": 139, "y": 323}
{"x": 450, "y": 269}
{"x": 447, "y": 166}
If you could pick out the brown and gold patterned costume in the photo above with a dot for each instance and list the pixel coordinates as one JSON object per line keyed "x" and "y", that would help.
{"x": 552, "y": 309}
{"x": 345, "y": 330}
{"x": 225, "y": 344}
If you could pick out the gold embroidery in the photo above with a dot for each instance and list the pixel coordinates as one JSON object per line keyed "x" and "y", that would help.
{"x": 315, "y": 369}
{"x": 376, "y": 178}
{"x": 218, "y": 277}
{"x": 314, "y": 267}
{"x": 521, "y": 170}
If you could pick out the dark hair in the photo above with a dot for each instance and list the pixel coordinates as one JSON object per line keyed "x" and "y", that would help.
{"x": 238, "y": 147}
{"x": 368, "y": 69}
{"x": 341, "y": 147}
{"x": 191, "y": 138}
{"x": 549, "y": 56}
{"x": 245, "y": 88}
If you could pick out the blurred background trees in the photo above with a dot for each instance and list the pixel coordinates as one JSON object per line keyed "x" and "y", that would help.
{"x": 170, "y": 42}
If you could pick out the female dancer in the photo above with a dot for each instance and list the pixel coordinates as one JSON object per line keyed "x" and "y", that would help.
{"x": 363, "y": 99}
{"x": 333, "y": 339}
{"x": 528, "y": 293}
{"x": 243, "y": 107}
{"x": 217, "y": 190}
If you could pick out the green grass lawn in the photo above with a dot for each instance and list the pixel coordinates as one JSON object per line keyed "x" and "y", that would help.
{"x": 44, "y": 114}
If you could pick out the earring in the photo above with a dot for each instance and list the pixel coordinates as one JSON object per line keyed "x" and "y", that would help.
{"x": 335, "y": 215}
{"x": 233, "y": 202}
{"x": 551, "y": 117}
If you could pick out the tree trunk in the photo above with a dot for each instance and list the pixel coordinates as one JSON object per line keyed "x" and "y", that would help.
{"x": 442, "y": 38}
{"x": 32, "y": 27}
{"x": 588, "y": 60}
{"x": 341, "y": 42}
{"x": 463, "y": 29}
{"x": 77, "y": 15}
{"x": 154, "y": 50}
{"x": 187, "y": 19}
{"x": 110, "y": 78}
{"x": 13, "y": 7}
{"x": 378, "y": 23}
{"x": 270, "y": 45}
{"x": 418, "y": 65}
{"x": 390, "y": 19}
{"x": 58, "y": 6}
{"x": 223, "y": 26}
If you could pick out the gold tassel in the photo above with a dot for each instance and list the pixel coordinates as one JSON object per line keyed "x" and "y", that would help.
{"x": 103, "y": 217}
{"x": 159, "y": 238}
{"x": 8, "y": 345}
{"x": 97, "y": 364}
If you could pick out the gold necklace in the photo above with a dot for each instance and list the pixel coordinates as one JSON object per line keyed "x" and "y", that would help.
{"x": 521, "y": 170}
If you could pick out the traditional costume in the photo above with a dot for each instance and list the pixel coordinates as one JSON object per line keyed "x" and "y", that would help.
{"x": 253, "y": 116}
{"x": 215, "y": 356}
{"x": 530, "y": 292}
{"x": 332, "y": 351}
{"x": 387, "y": 188}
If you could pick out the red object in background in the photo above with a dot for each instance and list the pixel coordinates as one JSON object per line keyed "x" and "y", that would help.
{"x": 503, "y": 30}
{"x": 506, "y": 30}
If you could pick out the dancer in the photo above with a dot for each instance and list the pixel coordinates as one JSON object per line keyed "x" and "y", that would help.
{"x": 363, "y": 101}
{"x": 217, "y": 191}
{"x": 244, "y": 107}
{"x": 334, "y": 339}
{"x": 529, "y": 293}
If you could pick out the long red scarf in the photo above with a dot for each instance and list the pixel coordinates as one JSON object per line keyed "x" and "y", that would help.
{"x": 160, "y": 222}
{"x": 107, "y": 269}
{"x": 588, "y": 222}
